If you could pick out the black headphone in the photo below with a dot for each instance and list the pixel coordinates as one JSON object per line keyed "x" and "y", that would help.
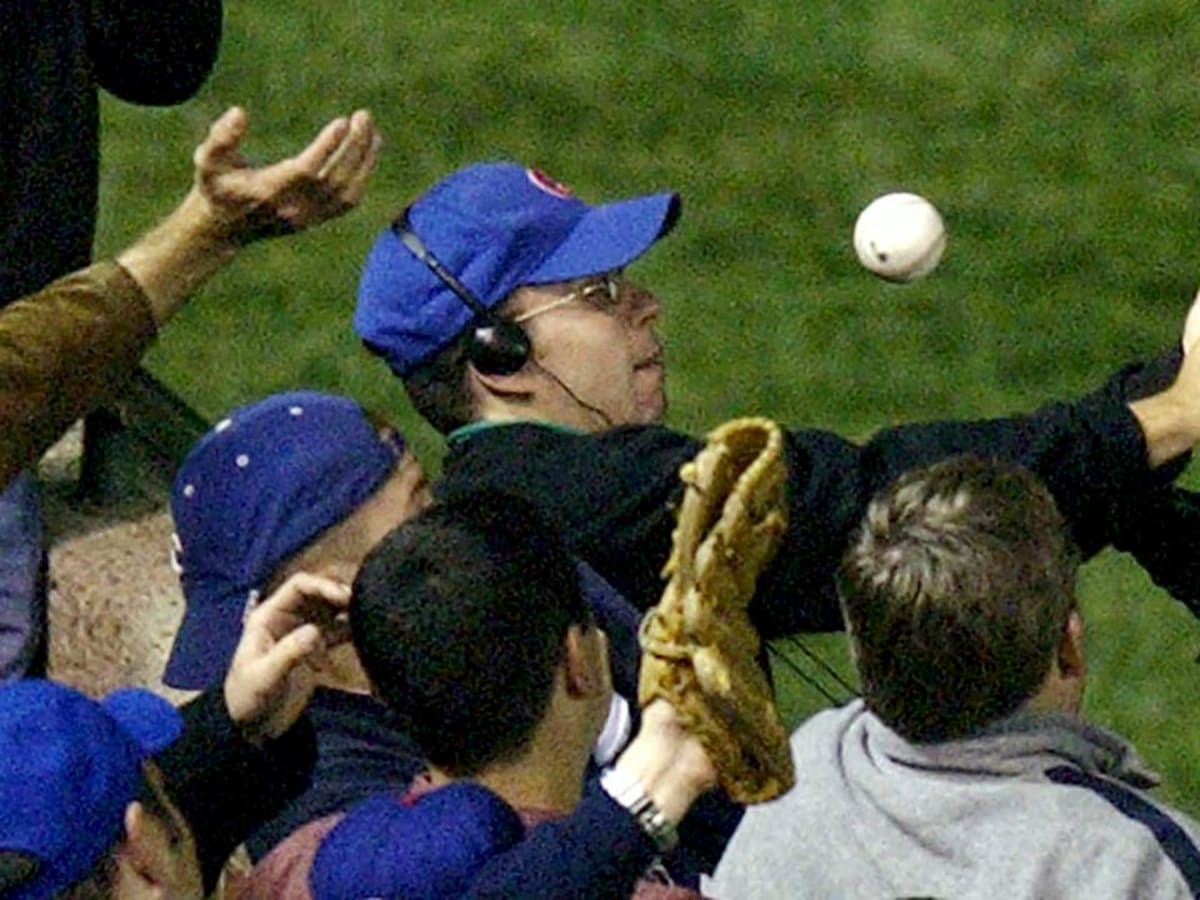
{"x": 495, "y": 346}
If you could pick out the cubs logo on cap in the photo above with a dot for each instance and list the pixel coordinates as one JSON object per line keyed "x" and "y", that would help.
{"x": 544, "y": 182}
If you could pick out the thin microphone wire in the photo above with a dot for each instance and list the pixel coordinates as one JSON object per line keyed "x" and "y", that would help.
{"x": 595, "y": 410}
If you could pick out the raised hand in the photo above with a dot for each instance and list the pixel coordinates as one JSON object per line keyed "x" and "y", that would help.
{"x": 327, "y": 178}
{"x": 269, "y": 683}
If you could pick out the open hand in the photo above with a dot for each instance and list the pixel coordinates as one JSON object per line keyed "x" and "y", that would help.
{"x": 327, "y": 178}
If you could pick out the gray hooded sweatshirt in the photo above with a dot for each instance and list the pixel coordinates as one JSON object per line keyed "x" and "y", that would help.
{"x": 1039, "y": 806}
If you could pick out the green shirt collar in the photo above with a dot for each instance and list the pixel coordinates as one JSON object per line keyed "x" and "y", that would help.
{"x": 458, "y": 435}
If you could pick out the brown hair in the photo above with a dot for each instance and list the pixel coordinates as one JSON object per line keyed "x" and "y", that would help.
{"x": 956, "y": 590}
{"x": 438, "y": 387}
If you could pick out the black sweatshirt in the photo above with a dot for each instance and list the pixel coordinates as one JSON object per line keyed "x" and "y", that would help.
{"x": 613, "y": 494}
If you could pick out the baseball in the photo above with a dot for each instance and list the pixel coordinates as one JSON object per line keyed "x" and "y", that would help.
{"x": 900, "y": 237}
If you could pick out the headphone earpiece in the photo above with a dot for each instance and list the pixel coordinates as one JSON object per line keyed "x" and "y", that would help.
{"x": 497, "y": 347}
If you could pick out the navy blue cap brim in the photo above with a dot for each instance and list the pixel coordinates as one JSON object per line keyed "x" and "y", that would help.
{"x": 205, "y": 642}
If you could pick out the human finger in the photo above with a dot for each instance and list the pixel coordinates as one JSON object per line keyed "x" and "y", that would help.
{"x": 349, "y": 155}
{"x": 1191, "y": 326}
{"x": 303, "y": 598}
{"x": 219, "y": 147}
{"x": 356, "y": 185}
{"x": 313, "y": 158}
{"x": 294, "y": 648}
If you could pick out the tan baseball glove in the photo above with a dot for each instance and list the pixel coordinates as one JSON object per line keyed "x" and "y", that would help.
{"x": 699, "y": 648}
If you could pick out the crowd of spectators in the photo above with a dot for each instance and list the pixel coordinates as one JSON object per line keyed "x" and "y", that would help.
{"x": 415, "y": 689}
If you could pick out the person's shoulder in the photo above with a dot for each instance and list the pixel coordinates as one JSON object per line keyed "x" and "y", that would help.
{"x": 828, "y": 727}
{"x": 1112, "y": 839}
{"x": 1102, "y": 854}
{"x": 1109, "y": 805}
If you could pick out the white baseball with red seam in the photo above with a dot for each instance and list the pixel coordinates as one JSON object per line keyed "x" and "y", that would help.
{"x": 900, "y": 236}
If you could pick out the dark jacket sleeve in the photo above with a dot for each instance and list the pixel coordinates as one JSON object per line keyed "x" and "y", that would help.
{"x": 1162, "y": 532}
{"x": 613, "y": 495}
{"x": 154, "y": 52}
{"x": 225, "y": 786}
{"x": 1090, "y": 453}
{"x": 598, "y": 851}
{"x": 1161, "y": 528}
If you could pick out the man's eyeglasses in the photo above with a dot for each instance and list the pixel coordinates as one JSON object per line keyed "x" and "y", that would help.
{"x": 601, "y": 294}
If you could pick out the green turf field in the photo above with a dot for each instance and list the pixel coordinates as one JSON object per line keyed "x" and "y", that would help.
{"x": 1058, "y": 139}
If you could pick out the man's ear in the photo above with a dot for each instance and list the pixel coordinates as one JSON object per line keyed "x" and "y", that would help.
{"x": 143, "y": 855}
{"x": 517, "y": 384}
{"x": 581, "y": 659}
{"x": 1072, "y": 662}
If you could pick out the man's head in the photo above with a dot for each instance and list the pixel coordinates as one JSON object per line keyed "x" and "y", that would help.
{"x": 534, "y": 259}
{"x": 84, "y": 812}
{"x": 300, "y": 481}
{"x": 471, "y": 623}
{"x": 959, "y": 597}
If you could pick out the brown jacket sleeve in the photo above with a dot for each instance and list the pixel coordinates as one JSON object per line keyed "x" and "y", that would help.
{"x": 64, "y": 350}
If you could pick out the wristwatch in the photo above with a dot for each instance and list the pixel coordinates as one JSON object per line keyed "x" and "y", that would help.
{"x": 627, "y": 791}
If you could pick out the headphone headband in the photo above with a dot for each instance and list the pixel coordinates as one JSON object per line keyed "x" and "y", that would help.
{"x": 495, "y": 346}
{"x": 402, "y": 228}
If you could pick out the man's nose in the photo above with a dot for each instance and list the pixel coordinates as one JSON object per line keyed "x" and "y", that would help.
{"x": 644, "y": 307}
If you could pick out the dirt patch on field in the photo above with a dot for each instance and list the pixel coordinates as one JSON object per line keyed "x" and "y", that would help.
{"x": 115, "y": 601}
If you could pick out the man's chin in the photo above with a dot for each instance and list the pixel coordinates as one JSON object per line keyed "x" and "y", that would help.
{"x": 653, "y": 410}
{"x": 650, "y": 394}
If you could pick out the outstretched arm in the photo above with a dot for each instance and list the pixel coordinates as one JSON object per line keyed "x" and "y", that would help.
{"x": 232, "y": 204}
{"x": 64, "y": 349}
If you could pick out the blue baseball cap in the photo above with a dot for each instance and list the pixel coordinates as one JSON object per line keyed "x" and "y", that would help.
{"x": 69, "y": 765}
{"x": 262, "y": 485}
{"x": 431, "y": 847}
{"x": 496, "y": 226}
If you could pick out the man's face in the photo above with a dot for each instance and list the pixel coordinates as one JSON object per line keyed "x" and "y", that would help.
{"x": 602, "y": 348}
{"x": 159, "y": 857}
